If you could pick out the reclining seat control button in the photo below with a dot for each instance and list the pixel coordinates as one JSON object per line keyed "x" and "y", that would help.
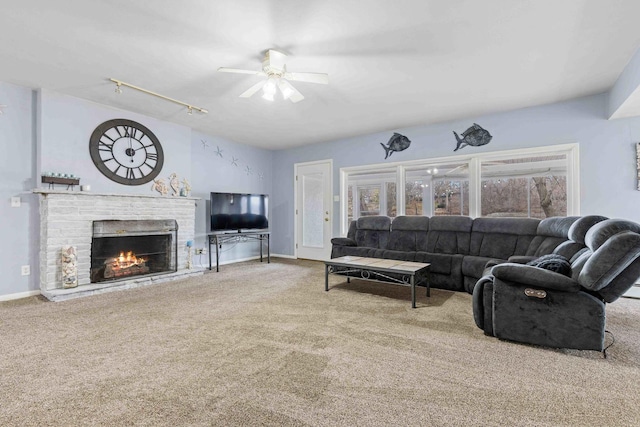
{"x": 537, "y": 293}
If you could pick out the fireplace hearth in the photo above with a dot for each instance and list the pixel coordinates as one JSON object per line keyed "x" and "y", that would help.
{"x": 124, "y": 249}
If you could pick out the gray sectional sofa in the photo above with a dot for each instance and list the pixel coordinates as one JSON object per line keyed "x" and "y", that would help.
{"x": 543, "y": 282}
{"x": 459, "y": 248}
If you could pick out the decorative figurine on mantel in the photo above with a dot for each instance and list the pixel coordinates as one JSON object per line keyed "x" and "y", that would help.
{"x": 174, "y": 182}
{"x": 185, "y": 191}
{"x": 69, "y": 267}
{"x": 160, "y": 186}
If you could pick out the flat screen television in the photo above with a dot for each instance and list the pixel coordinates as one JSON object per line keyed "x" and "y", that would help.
{"x": 235, "y": 212}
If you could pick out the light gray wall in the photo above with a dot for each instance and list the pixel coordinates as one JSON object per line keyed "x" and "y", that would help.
{"x": 66, "y": 124}
{"x": 251, "y": 173}
{"x": 607, "y": 155}
{"x": 63, "y": 125}
{"x": 17, "y": 166}
{"x": 44, "y": 131}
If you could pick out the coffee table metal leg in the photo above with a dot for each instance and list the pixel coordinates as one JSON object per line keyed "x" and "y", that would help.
{"x": 326, "y": 277}
{"x": 413, "y": 291}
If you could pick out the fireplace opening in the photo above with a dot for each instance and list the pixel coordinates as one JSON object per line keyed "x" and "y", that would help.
{"x": 124, "y": 249}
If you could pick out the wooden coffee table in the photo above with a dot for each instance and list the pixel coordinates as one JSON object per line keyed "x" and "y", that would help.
{"x": 377, "y": 269}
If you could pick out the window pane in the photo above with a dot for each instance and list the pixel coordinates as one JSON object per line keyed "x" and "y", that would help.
{"x": 529, "y": 187}
{"x": 369, "y": 200}
{"x": 371, "y": 193}
{"x": 437, "y": 189}
{"x": 549, "y": 196}
{"x": 505, "y": 197}
{"x": 451, "y": 197}
{"x": 392, "y": 210}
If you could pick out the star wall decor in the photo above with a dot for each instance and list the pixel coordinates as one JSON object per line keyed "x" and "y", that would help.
{"x": 235, "y": 161}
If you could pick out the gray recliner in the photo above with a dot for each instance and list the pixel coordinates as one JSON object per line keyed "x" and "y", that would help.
{"x": 532, "y": 305}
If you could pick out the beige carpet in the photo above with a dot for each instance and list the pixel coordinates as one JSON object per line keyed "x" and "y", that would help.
{"x": 263, "y": 344}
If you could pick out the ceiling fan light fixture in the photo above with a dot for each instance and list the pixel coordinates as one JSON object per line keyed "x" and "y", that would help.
{"x": 270, "y": 86}
{"x": 286, "y": 89}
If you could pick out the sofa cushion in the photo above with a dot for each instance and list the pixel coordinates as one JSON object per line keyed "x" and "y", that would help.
{"x": 397, "y": 255}
{"x": 502, "y": 237}
{"x": 373, "y": 231}
{"x": 440, "y": 263}
{"x": 404, "y": 232}
{"x": 550, "y": 233}
{"x": 553, "y": 262}
{"x": 447, "y": 235}
{"x": 579, "y": 229}
{"x": 474, "y": 266}
{"x": 609, "y": 262}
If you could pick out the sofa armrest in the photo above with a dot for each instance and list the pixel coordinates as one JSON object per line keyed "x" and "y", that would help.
{"x": 528, "y": 275}
{"x": 343, "y": 241}
{"x": 493, "y": 263}
{"x": 521, "y": 259}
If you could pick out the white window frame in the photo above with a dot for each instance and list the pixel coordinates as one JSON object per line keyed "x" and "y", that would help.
{"x": 571, "y": 150}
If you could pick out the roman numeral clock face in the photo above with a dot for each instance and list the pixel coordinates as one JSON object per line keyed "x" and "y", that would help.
{"x": 126, "y": 152}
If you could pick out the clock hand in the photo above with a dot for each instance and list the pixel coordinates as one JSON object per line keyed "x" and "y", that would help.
{"x": 132, "y": 151}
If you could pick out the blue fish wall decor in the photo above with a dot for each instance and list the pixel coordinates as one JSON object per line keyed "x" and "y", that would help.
{"x": 475, "y": 136}
{"x": 397, "y": 142}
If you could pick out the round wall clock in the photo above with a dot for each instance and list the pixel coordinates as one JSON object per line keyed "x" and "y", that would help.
{"x": 126, "y": 152}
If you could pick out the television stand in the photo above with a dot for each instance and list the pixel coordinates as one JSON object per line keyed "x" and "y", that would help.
{"x": 218, "y": 239}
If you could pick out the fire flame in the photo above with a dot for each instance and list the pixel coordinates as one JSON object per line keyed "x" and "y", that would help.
{"x": 127, "y": 260}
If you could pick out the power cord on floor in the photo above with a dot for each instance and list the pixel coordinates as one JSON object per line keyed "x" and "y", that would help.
{"x": 613, "y": 340}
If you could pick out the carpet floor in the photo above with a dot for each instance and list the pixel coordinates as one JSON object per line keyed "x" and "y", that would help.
{"x": 264, "y": 344}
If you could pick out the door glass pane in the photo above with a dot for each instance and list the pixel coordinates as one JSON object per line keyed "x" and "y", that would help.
{"x": 313, "y": 211}
{"x": 534, "y": 186}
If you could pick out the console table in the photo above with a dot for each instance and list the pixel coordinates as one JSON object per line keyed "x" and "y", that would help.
{"x": 218, "y": 239}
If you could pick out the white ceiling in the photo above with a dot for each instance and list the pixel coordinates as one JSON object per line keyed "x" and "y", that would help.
{"x": 391, "y": 64}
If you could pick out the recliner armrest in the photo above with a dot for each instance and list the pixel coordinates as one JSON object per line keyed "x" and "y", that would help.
{"x": 528, "y": 275}
{"x": 343, "y": 241}
{"x": 521, "y": 259}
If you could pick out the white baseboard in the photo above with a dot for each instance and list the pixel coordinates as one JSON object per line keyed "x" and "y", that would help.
{"x": 18, "y": 295}
{"x": 285, "y": 256}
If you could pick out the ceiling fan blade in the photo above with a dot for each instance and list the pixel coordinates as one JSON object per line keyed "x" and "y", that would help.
{"x": 296, "y": 96}
{"x": 253, "y": 89}
{"x": 276, "y": 59}
{"x": 238, "y": 71}
{"x": 320, "y": 78}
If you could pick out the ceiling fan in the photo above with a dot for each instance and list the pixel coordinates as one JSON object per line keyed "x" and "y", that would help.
{"x": 275, "y": 69}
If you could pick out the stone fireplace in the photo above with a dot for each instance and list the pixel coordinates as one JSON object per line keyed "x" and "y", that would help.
{"x": 122, "y": 241}
{"x": 124, "y": 249}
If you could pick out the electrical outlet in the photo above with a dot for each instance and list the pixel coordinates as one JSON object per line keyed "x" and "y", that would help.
{"x": 199, "y": 251}
{"x": 26, "y": 270}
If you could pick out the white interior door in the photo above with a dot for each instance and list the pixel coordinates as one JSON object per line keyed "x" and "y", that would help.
{"x": 313, "y": 210}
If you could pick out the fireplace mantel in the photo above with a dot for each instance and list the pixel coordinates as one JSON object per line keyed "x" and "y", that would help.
{"x": 45, "y": 191}
{"x": 66, "y": 219}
